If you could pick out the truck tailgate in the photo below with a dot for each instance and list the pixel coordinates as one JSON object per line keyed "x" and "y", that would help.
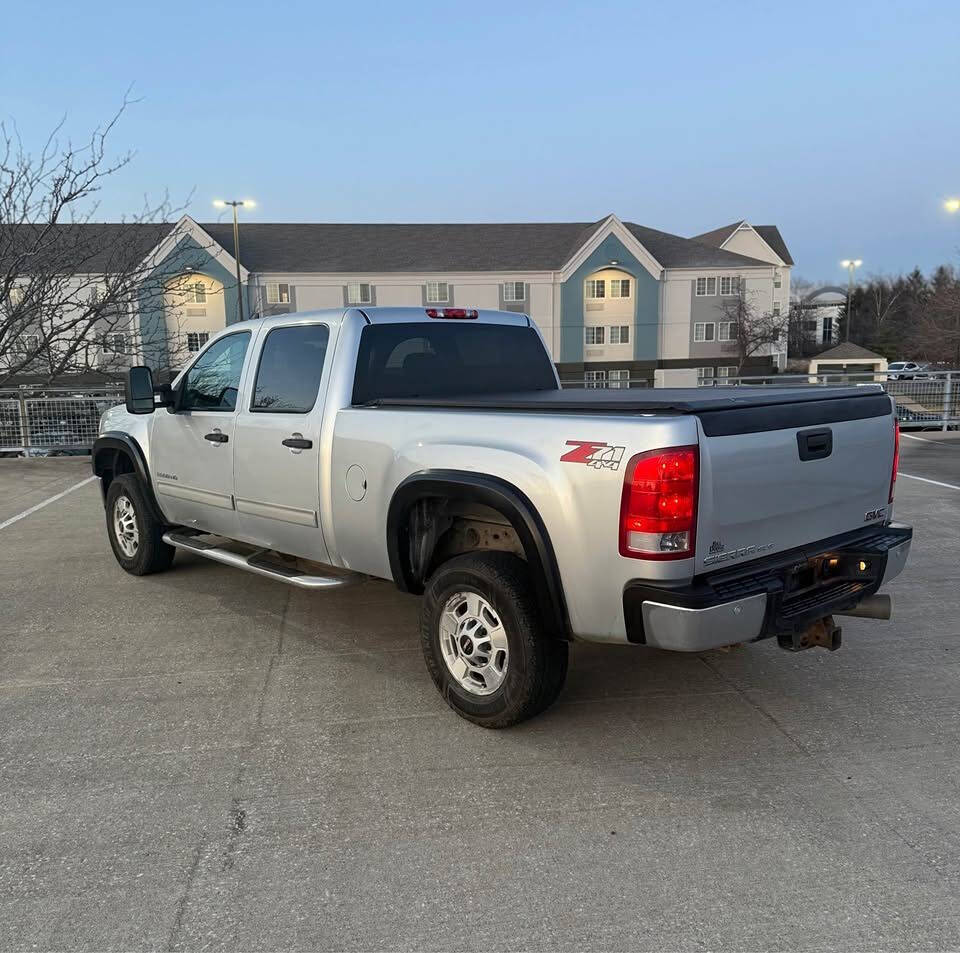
{"x": 777, "y": 477}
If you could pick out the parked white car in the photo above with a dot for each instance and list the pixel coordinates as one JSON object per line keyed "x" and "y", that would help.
{"x": 906, "y": 371}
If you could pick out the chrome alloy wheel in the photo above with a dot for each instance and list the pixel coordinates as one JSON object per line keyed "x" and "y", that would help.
{"x": 125, "y": 526}
{"x": 473, "y": 643}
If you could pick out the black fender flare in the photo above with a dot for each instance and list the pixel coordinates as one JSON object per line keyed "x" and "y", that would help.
{"x": 104, "y": 453}
{"x": 497, "y": 494}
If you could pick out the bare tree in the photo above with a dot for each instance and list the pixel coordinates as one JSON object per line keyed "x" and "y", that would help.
{"x": 76, "y": 295}
{"x": 936, "y": 332}
{"x": 752, "y": 329}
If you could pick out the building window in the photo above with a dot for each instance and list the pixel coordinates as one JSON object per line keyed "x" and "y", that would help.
{"x": 705, "y": 376}
{"x": 514, "y": 291}
{"x": 114, "y": 344}
{"x": 730, "y": 286}
{"x": 29, "y": 343}
{"x": 827, "y": 330}
{"x": 706, "y": 286}
{"x": 620, "y": 288}
{"x": 438, "y": 292}
{"x": 596, "y": 288}
{"x": 704, "y": 331}
{"x": 15, "y": 296}
{"x": 728, "y": 371}
{"x": 196, "y": 340}
{"x": 593, "y": 335}
{"x": 278, "y": 293}
{"x": 777, "y": 279}
{"x": 197, "y": 293}
{"x": 619, "y": 378}
{"x": 776, "y": 309}
{"x": 728, "y": 331}
{"x": 620, "y": 334}
{"x": 595, "y": 379}
{"x": 359, "y": 293}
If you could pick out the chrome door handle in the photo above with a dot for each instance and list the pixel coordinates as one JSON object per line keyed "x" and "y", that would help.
{"x": 216, "y": 437}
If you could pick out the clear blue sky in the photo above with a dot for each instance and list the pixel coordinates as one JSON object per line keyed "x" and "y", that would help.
{"x": 836, "y": 121}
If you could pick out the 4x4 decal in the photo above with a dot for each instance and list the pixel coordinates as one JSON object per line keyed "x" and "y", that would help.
{"x": 594, "y": 454}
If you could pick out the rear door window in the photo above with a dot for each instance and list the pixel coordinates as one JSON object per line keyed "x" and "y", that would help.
{"x": 291, "y": 365}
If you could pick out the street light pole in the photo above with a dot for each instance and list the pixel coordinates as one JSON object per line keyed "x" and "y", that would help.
{"x": 219, "y": 203}
{"x": 851, "y": 264}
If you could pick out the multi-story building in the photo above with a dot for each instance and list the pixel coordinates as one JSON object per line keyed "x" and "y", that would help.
{"x": 613, "y": 300}
{"x": 820, "y": 314}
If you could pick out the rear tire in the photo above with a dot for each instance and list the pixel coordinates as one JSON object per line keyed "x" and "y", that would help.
{"x": 484, "y": 642}
{"x": 136, "y": 536}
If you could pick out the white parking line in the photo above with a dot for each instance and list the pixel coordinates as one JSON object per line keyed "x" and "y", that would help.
{"x": 46, "y": 502}
{"x": 949, "y": 486}
{"x": 910, "y": 436}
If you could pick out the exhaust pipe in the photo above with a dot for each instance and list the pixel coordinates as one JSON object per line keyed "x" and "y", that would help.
{"x": 873, "y": 607}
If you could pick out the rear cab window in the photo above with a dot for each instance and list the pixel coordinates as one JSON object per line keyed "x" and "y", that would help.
{"x": 290, "y": 369}
{"x": 443, "y": 359}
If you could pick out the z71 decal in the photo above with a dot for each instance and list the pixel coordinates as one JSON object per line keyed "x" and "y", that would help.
{"x": 600, "y": 456}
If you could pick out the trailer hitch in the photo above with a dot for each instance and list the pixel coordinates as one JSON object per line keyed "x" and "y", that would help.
{"x": 824, "y": 633}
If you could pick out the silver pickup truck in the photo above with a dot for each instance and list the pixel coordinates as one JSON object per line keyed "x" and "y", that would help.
{"x": 435, "y": 448}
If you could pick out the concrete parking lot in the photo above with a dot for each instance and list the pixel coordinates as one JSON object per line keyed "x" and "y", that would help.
{"x": 205, "y": 759}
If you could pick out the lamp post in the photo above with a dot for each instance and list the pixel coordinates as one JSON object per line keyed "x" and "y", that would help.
{"x": 851, "y": 264}
{"x": 243, "y": 203}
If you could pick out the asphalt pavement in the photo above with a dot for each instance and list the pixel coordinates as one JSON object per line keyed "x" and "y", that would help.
{"x": 205, "y": 759}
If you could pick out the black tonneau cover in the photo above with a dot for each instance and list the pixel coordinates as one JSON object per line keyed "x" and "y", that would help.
{"x": 666, "y": 400}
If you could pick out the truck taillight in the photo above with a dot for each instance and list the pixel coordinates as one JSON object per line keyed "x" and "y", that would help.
{"x": 896, "y": 458}
{"x": 658, "y": 509}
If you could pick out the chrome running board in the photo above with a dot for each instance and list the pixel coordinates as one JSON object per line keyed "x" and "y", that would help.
{"x": 257, "y": 562}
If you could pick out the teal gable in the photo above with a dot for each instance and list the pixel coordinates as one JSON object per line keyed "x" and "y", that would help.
{"x": 187, "y": 257}
{"x": 646, "y": 313}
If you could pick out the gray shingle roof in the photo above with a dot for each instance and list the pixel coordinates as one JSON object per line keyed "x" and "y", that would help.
{"x": 769, "y": 233}
{"x": 377, "y": 248}
{"x": 848, "y": 350}
{"x": 534, "y": 246}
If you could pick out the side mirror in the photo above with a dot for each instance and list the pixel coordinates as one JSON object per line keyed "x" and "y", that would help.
{"x": 140, "y": 390}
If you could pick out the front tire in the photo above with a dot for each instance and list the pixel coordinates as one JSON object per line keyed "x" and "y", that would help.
{"x": 136, "y": 536}
{"x": 485, "y": 644}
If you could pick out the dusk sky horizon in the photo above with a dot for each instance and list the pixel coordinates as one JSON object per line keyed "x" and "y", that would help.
{"x": 838, "y": 124}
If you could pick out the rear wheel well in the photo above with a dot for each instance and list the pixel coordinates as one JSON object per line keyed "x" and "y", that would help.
{"x": 434, "y": 518}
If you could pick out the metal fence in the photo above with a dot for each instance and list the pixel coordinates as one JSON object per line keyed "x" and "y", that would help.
{"x": 52, "y": 422}
{"x": 63, "y": 422}
{"x": 930, "y": 399}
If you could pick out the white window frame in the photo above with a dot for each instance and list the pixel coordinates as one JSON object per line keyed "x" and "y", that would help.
{"x": 776, "y": 309}
{"x": 275, "y": 295}
{"x": 705, "y": 376}
{"x": 593, "y": 285}
{"x": 777, "y": 279}
{"x": 355, "y": 292}
{"x": 727, "y": 370}
{"x": 619, "y": 378}
{"x": 510, "y": 291}
{"x": 709, "y": 286}
{"x": 620, "y": 334}
{"x": 732, "y": 283}
{"x": 616, "y": 287}
{"x": 202, "y": 338}
{"x": 110, "y": 339}
{"x": 597, "y": 332}
{"x": 595, "y": 379}
{"x": 27, "y": 347}
{"x": 700, "y": 336}
{"x": 433, "y": 293}
{"x": 198, "y": 293}
{"x": 727, "y": 331}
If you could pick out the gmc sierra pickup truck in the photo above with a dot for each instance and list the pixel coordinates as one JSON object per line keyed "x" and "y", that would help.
{"x": 435, "y": 448}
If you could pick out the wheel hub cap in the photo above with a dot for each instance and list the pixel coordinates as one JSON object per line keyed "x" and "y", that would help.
{"x": 125, "y": 527}
{"x": 473, "y": 643}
